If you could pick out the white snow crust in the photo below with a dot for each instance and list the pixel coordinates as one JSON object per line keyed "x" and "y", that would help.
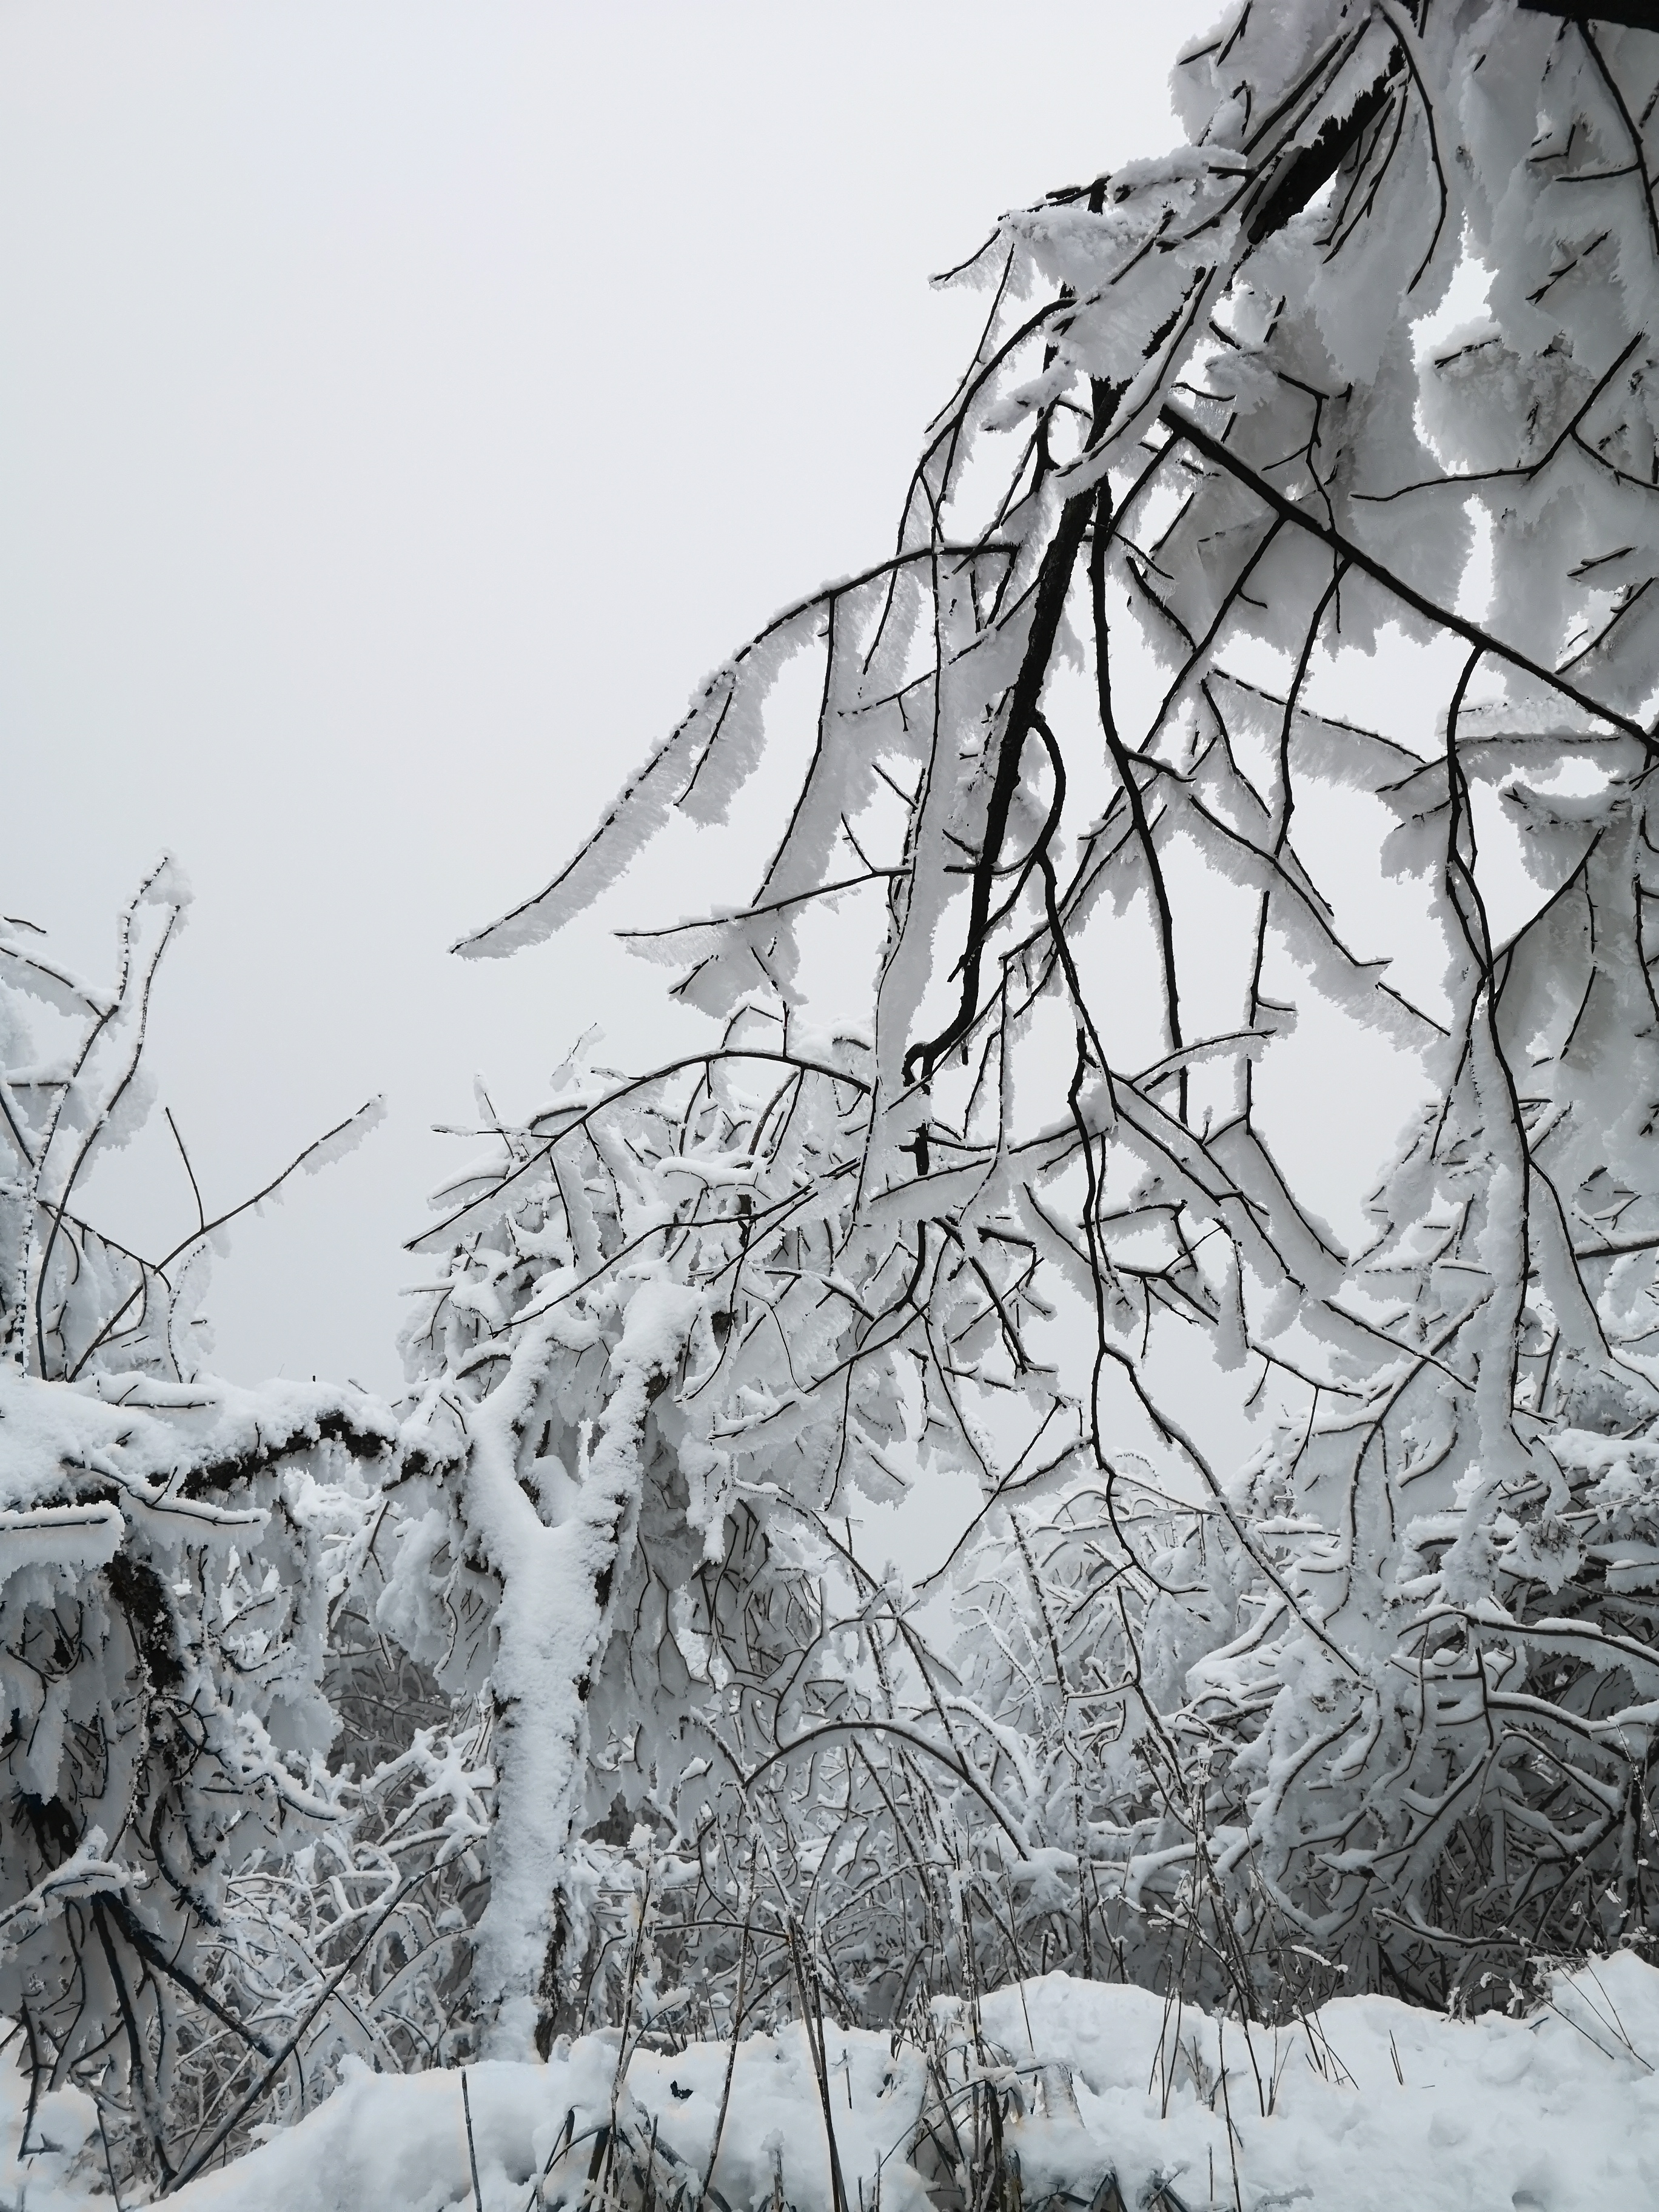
{"x": 1372, "y": 2105}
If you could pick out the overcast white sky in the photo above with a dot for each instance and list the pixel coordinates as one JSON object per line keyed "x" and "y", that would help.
{"x": 401, "y": 407}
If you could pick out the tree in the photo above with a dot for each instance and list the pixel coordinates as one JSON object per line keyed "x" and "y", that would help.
{"x": 1304, "y": 1621}
{"x": 1299, "y": 1620}
{"x": 174, "y": 1556}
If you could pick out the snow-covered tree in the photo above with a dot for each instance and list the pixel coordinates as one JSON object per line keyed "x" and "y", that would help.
{"x": 1242, "y": 750}
{"x": 618, "y": 1483}
{"x": 1181, "y": 1099}
{"x": 174, "y": 1553}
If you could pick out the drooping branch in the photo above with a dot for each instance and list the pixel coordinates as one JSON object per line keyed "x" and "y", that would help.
{"x": 1133, "y": 797}
{"x": 1054, "y": 582}
{"x": 1176, "y": 420}
{"x": 1313, "y": 166}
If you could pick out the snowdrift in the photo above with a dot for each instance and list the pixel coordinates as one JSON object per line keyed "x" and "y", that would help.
{"x": 1368, "y": 2106}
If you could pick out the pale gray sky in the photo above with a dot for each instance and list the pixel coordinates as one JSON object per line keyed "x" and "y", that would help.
{"x": 401, "y": 407}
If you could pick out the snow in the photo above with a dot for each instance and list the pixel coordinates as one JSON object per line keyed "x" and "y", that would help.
{"x": 1375, "y": 2103}
{"x": 1368, "y": 2106}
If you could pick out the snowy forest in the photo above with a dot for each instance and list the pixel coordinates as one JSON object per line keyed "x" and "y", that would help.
{"x": 1180, "y": 1108}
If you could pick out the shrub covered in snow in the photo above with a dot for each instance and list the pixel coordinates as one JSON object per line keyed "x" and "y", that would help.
{"x": 174, "y": 1553}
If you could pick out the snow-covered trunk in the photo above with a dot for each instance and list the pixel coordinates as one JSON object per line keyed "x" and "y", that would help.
{"x": 558, "y": 1584}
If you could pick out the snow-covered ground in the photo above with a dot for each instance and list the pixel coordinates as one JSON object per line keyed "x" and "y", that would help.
{"x": 1370, "y": 2106}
